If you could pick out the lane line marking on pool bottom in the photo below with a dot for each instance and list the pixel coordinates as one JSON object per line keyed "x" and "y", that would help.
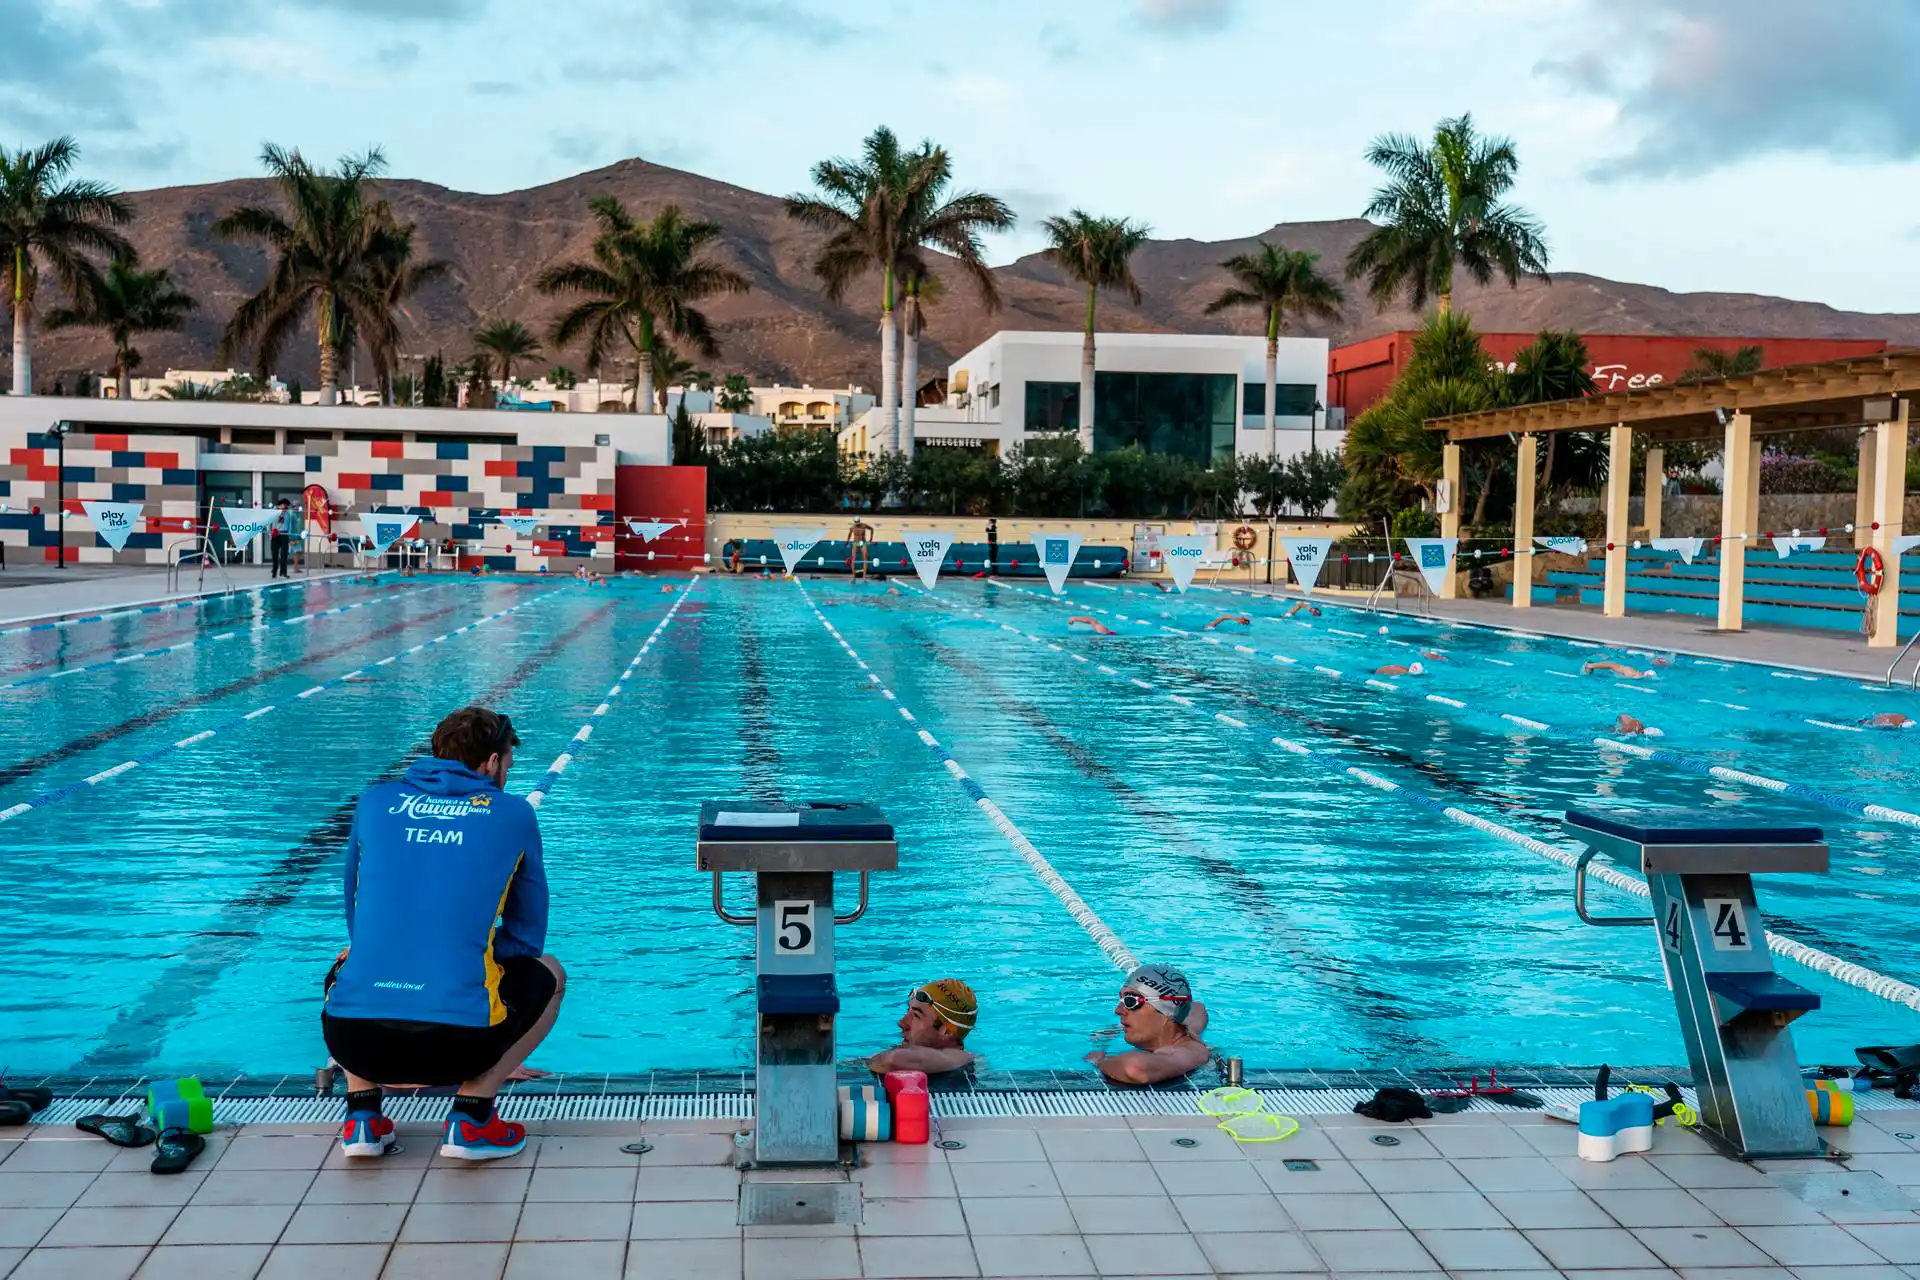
{"x": 1103, "y": 937}
{"x": 1844, "y": 971}
{"x": 551, "y": 778}
{"x": 257, "y": 592}
{"x": 296, "y": 620}
{"x": 57, "y": 794}
{"x": 1830, "y": 799}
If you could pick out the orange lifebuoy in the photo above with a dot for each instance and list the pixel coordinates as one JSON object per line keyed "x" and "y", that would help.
{"x": 1244, "y": 537}
{"x": 1870, "y": 571}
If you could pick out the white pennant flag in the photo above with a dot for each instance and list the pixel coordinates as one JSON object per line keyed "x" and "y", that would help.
{"x": 928, "y": 552}
{"x": 1307, "y": 555}
{"x": 522, "y": 526}
{"x": 1787, "y": 544}
{"x": 1905, "y": 543}
{"x": 113, "y": 521}
{"x": 385, "y": 530}
{"x": 1057, "y": 551}
{"x": 648, "y": 530}
{"x": 1184, "y": 553}
{"x": 1687, "y": 547}
{"x": 1433, "y": 557}
{"x": 795, "y": 543}
{"x": 244, "y": 524}
{"x": 1566, "y": 546}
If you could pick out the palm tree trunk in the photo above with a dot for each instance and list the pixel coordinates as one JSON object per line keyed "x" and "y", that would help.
{"x": 1086, "y": 379}
{"x": 1546, "y": 472}
{"x": 889, "y": 368}
{"x": 643, "y": 370}
{"x": 1273, "y": 358}
{"x": 22, "y": 327}
{"x": 122, "y": 380}
{"x": 329, "y": 375}
{"x": 1446, "y": 302}
{"x": 910, "y": 373}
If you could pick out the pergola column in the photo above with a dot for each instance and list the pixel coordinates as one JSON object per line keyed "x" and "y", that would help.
{"x": 1523, "y": 523}
{"x": 1655, "y": 483}
{"x": 1863, "y": 493}
{"x": 1889, "y": 508}
{"x": 1619, "y": 477}
{"x": 1450, "y": 518}
{"x": 1738, "y": 490}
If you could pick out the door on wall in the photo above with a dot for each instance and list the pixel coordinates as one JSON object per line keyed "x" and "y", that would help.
{"x": 225, "y": 489}
{"x": 275, "y": 485}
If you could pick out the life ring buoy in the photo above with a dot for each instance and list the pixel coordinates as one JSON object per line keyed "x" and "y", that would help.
{"x": 1870, "y": 571}
{"x": 1244, "y": 538}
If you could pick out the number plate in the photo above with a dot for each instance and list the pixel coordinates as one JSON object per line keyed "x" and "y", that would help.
{"x": 793, "y": 927}
{"x": 1727, "y": 918}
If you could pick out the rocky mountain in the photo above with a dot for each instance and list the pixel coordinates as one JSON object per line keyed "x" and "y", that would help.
{"x": 785, "y": 327}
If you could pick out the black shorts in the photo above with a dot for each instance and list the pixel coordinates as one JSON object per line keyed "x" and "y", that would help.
{"x": 391, "y": 1051}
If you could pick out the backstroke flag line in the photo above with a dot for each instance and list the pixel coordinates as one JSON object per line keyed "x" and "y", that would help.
{"x": 928, "y": 552}
{"x": 522, "y": 526}
{"x": 1787, "y": 545}
{"x": 1433, "y": 557}
{"x": 1687, "y": 548}
{"x": 1184, "y": 553}
{"x": 1566, "y": 546}
{"x": 1905, "y": 543}
{"x": 795, "y": 543}
{"x": 1307, "y": 555}
{"x": 648, "y": 530}
{"x": 244, "y": 524}
{"x": 1057, "y": 551}
{"x": 113, "y": 521}
{"x": 385, "y": 530}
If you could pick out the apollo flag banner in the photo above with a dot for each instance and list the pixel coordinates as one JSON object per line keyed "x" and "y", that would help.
{"x": 1687, "y": 548}
{"x": 648, "y": 530}
{"x": 1184, "y": 554}
{"x": 1787, "y": 544}
{"x": 244, "y": 524}
{"x": 1565, "y": 546}
{"x": 795, "y": 543}
{"x": 522, "y": 526}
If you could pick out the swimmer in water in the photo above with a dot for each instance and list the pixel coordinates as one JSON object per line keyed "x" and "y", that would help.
{"x": 1161, "y": 587}
{"x": 1163, "y": 1022}
{"x": 1395, "y": 669}
{"x": 1434, "y": 655}
{"x": 1240, "y": 618}
{"x": 1300, "y": 605}
{"x": 893, "y": 591}
{"x": 1888, "y": 720}
{"x": 1616, "y": 668}
{"x": 1098, "y": 628}
{"x": 934, "y": 1030}
{"x": 1628, "y": 727}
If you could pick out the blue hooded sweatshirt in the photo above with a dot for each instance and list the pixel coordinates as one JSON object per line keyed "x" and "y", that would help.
{"x": 444, "y": 881}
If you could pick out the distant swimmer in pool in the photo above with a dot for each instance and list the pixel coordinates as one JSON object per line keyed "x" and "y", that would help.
{"x": 1163, "y": 1022}
{"x": 1300, "y": 605}
{"x": 1620, "y": 669}
{"x": 1434, "y": 655}
{"x": 933, "y": 1031}
{"x": 1098, "y": 628}
{"x": 1395, "y": 669}
{"x": 1224, "y": 618}
{"x": 1888, "y": 720}
{"x": 893, "y": 591}
{"x": 1628, "y": 727}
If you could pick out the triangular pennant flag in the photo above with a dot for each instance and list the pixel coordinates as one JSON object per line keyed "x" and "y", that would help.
{"x": 1566, "y": 546}
{"x": 1184, "y": 553}
{"x": 522, "y": 526}
{"x": 1687, "y": 547}
{"x": 648, "y": 530}
{"x": 928, "y": 552}
{"x": 1307, "y": 555}
{"x": 795, "y": 543}
{"x": 1905, "y": 543}
{"x": 1433, "y": 557}
{"x": 1057, "y": 551}
{"x": 1787, "y": 544}
{"x": 113, "y": 521}
{"x": 385, "y": 530}
{"x": 244, "y": 524}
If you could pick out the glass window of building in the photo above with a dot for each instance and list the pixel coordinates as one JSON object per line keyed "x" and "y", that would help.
{"x": 1052, "y": 406}
{"x": 1290, "y": 399}
{"x": 1187, "y": 415}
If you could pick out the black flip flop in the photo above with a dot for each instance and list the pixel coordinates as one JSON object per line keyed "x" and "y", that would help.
{"x": 37, "y": 1097}
{"x": 14, "y": 1114}
{"x": 121, "y": 1131}
{"x": 177, "y": 1149}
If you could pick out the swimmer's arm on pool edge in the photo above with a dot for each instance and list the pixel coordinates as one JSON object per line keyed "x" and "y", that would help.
{"x": 1142, "y": 1066}
{"x": 908, "y": 1057}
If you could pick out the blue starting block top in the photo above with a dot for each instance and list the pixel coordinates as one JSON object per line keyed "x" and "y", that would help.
{"x": 1762, "y": 992}
{"x": 823, "y": 821}
{"x": 1684, "y": 826}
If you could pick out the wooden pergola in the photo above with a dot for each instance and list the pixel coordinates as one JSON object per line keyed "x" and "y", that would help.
{"x": 1871, "y": 393}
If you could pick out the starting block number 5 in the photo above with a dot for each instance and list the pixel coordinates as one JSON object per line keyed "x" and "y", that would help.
{"x": 793, "y": 927}
{"x": 1729, "y": 924}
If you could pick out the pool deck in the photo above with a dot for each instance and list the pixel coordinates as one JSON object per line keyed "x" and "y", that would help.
{"x": 1484, "y": 1196}
{"x": 1831, "y": 652}
{"x": 45, "y": 592}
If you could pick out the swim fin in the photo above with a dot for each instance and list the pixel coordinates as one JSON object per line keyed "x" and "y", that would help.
{"x": 1897, "y": 1064}
{"x": 37, "y": 1097}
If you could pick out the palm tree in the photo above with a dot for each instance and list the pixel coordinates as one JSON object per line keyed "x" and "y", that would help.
{"x": 400, "y": 277}
{"x": 1709, "y": 363}
{"x": 339, "y": 256}
{"x": 878, "y": 213}
{"x": 642, "y": 284}
{"x": 506, "y": 341}
{"x": 1098, "y": 252}
{"x": 1441, "y": 206}
{"x": 127, "y": 303}
{"x": 1554, "y": 366}
{"x": 920, "y": 287}
{"x": 49, "y": 223}
{"x": 1279, "y": 281}
{"x": 667, "y": 367}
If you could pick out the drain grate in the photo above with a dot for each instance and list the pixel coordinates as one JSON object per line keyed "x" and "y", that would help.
{"x": 799, "y": 1204}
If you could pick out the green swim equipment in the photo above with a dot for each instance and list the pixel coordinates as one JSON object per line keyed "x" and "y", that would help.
{"x": 1243, "y": 1114}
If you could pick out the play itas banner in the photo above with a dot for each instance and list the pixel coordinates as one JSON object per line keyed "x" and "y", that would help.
{"x": 928, "y": 551}
{"x": 115, "y": 522}
{"x": 1307, "y": 555}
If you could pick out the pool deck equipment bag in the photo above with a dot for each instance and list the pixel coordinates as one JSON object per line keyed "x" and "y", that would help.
{"x": 793, "y": 851}
{"x": 1734, "y": 1009}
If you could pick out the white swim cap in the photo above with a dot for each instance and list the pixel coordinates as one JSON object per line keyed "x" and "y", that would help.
{"x": 1414, "y": 668}
{"x": 1383, "y": 631}
{"x": 1651, "y": 733}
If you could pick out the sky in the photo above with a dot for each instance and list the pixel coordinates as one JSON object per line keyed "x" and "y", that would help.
{"x": 1765, "y": 146}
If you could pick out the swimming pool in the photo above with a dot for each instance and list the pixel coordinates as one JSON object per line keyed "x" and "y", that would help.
{"x": 177, "y": 915}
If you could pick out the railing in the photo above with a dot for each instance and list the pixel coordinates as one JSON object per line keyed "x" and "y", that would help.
{"x": 199, "y": 549}
{"x": 1395, "y": 575}
{"x": 1898, "y": 658}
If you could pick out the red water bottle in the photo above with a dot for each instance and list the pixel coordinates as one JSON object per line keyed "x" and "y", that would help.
{"x": 912, "y": 1106}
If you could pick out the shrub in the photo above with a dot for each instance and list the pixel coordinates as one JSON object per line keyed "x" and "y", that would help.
{"x": 1784, "y": 473}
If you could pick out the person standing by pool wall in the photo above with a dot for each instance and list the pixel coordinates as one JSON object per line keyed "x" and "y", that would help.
{"x": 993, "y": 544}
{"x": 933, "y": 1031}
{"x": 444, "y": 980}
{"x": 1163, "y": 1022}
{"x": 280, "y": 538}
{"x": 859, "y": 536}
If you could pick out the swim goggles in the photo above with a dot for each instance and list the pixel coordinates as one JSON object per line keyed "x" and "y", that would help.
{"x": 1134, "y": 1001}
{"x": 959, "y": 1018}
{"x": 503, "y": 736}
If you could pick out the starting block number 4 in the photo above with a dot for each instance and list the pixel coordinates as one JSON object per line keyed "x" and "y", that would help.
{"x": 1729, "y": 917}
{"x": 1670, "y": 929}
{"x": 793, "y": 927}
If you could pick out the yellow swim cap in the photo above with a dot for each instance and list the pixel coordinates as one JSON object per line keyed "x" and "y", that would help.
{"x": 953, "y": 1003}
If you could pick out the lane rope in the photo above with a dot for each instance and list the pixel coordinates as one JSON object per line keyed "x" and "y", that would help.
{"x": 58, "y": 624}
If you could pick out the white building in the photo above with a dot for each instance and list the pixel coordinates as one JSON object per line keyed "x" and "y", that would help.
{"x": 173, "y": 380}
{"x": 810, "y": 406}
{"x": 1201, "y": 396}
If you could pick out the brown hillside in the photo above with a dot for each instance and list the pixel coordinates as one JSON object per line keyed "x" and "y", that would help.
{"x": 785, "y": 328}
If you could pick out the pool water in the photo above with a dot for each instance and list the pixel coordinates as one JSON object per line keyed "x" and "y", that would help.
{"x": 178, "y": 916}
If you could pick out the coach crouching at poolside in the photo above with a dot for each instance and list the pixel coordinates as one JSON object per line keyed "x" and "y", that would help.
{"x": 431, "y": 990}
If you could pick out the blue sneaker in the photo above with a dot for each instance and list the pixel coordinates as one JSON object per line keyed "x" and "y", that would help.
{"x": 366, "y": 1133}
{"x": 494, "y": 1140}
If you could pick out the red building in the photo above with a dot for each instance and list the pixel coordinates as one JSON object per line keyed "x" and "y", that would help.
{"x": 1360, "y": 373}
